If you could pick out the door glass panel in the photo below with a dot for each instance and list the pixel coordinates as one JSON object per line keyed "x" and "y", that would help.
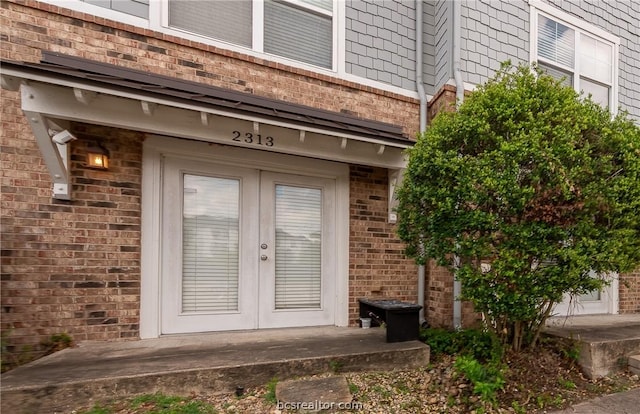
{"x": 590, "y": 297}
{"x": 298, "y": 220}
{"x": 210, "y": 244}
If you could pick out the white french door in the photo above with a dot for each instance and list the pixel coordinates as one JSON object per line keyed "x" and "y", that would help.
{"x": 603, "y": 301}
{"x": 245, "y": 248}
{"x": 297, "y": 232}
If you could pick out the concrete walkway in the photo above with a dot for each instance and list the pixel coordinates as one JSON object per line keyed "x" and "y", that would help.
{"x": 621, "y": 403}
{"x": 206, "y": 363}
{"x": 605, "y": 340}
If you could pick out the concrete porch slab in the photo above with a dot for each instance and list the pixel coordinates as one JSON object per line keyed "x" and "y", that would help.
{"x": 206, "y": 363}
{"x": 606, "y": 341}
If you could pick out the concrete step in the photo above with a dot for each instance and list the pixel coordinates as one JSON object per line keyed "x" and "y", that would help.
{"x": 606, "y": 342}
{"x": 634, "y": 364}
{"x": 99, "y": 372}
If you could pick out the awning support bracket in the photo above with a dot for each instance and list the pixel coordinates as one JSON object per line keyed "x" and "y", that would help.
{"x": 56, "y": 156}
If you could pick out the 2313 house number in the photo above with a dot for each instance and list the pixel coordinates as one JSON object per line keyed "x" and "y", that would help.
{"x": 251, "y": 138}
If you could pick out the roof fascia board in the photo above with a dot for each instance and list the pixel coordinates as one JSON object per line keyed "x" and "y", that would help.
{"x": 31, "y": 76}
{"x": 60, "y": 102}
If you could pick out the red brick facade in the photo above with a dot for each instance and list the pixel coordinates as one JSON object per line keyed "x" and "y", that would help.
{"x": 74, "y": 266}
{"x": 377, "y": 265}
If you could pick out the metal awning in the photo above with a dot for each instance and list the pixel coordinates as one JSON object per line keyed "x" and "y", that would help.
{"x": 64, "y": 88}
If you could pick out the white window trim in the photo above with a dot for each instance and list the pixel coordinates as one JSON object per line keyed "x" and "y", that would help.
{"x": 579, "y": 26}
{"x": 156, "y": 23}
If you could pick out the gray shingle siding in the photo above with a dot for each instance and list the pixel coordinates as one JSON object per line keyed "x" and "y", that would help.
{"x": 442, "y": 31}
{"x": 380, "y": 41}
{"x": 620, "y": 18}
{"x": 492, "y": 32}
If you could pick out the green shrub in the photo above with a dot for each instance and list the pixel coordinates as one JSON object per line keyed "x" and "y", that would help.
{"x": 482, "y": 345}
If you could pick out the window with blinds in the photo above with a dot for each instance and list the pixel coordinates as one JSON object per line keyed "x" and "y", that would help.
{"x": 301, "y": 30}
{"x": 298, "y": 33}
{"x": 227, "y": 20}
{"x": 298, "y": 222}
{"x": 210, "y": 244}
{"x": 582, "y": 60}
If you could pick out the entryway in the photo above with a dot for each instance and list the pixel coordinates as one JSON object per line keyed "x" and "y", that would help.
{"x": 245, "y": 248}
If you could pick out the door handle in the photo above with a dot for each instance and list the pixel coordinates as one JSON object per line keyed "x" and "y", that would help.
{"x": 263, "y": 257}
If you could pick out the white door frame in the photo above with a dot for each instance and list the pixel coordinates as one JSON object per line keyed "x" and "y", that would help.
{"x": 154, "y": 150}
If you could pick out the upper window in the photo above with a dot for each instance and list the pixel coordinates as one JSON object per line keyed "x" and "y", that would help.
{"x": 138, "y": 8}
{"x": 584, "y": 59}
{"x": 301, "y": 30}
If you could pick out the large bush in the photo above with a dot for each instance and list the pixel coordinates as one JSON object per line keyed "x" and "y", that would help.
{"x": 532, "y": 187}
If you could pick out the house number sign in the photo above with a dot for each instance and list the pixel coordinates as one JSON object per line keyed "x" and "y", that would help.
{"x": 251, "y": 138}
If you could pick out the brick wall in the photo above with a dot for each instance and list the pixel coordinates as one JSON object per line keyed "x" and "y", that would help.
{"x": 630, "y": 292}
{"x": 68, "y": 266}
{"x": 75, "y": 266}
{"x": 377, "y": 265}
{"x": 26, "y": 30}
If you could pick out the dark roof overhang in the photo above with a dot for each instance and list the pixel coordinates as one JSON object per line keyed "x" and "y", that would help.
{"x": 65, "y": 88}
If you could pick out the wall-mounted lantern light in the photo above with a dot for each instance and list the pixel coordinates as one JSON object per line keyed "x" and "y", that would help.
{"x": 98, "y": 157}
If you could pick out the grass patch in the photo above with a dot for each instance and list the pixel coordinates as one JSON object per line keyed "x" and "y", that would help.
{"x": 158, "y": 404}
{"x": 270, "y": 395}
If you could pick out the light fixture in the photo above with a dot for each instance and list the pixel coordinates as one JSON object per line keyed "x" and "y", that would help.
{"x": 98, "y": 157}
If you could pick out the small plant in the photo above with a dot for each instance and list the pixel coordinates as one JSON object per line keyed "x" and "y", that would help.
{"x": 335, "y": 366}
{"x": 270, "y": 395}
{"x": 57, "y": 342}
{"x": 353, "y": 388}
{"x": 158, "y": 400}
{"x": 487, "y": 378}
{"x": 380, "y": 390}
{"x": 567, "y": 384}
{"x": 518, "y": 408}
{"x": 98, "y": 410}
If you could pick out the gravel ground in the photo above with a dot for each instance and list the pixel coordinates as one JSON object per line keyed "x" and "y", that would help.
{"x": 433, "y": 389}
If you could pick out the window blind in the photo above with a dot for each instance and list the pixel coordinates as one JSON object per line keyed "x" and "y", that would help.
{"x": 227, "y": 20}
{"x": 298, "y": 221}
{"x": 556, "y": 42}
{"x": 298, "y": 34}
{"x": 210, "y": 244}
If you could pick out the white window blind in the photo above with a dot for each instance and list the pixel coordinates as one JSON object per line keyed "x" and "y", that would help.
{"x": 227, "y": 20}
{"x": 298, "y": 33}
{"x": 298, "y": 247}
{"x": 210, "y": 244}
{"x": 556, "y": 42}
